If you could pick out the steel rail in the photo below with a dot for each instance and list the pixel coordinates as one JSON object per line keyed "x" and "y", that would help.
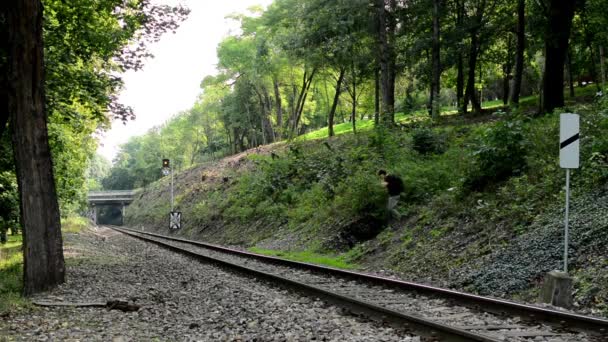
{"x": 414, "y": 324}
{"x": 567, "y": 320}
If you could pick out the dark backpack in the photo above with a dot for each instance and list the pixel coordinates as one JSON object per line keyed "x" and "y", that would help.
{"x": 394, "y": 184}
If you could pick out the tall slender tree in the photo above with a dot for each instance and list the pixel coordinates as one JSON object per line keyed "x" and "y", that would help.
{"x": 436, "y": 61}
{"x": 520, "y": 49}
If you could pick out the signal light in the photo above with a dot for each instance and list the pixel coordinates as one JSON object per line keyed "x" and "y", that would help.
{"x": 165, "y": 162}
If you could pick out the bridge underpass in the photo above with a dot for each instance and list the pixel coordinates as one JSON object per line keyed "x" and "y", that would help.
{"x": 109, "y": 207}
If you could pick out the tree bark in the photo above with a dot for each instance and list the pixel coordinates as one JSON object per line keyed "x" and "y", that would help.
{"x": 560, "y": 14}
{"x": 279, "y": 107}
{"x": 470, "y": 94}
{"x": 386, "y": 31}
{"x": 376, "y": 97}
{"x": 354, "y": 97}
{"x": 570, "y": 73}
{"x": 306, "y": 82}
{"x": 602, "y": 68}
{"x": 436, "y": 61}
{"x": 44, "y": 266}
{"x": 520, "y": 49}
{"x": 507, "y": 69}
{"x": 460, "y": 103}
{"x": 3, "y": 70}
{"x": 334, "y": 105}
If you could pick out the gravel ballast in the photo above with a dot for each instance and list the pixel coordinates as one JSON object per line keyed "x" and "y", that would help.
{"x": 181, "y": 300}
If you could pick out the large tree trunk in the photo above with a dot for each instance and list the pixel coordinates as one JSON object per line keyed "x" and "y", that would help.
{"x": 560, "y": 14}
{"x": 519, "y": 53}
{"x": 436, "y": 61}
{"x": 43, "y": 266}
{"x": 386, "y": 31}
{"x": 334, "y": 105}
{"x": 3, "y": 69}
{"x": 470, "y": 94}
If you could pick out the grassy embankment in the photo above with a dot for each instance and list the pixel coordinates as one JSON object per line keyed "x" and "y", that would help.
{"x": 11, "y": 265}
{"x": 481, "y": 210}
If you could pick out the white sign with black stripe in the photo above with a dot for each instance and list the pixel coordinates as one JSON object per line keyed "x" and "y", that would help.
{"x": 175, "y": 220}
{"x": 569, "y": 141}
{"x": 569, "y": 145}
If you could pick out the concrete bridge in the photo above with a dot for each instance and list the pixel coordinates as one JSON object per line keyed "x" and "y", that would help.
{"x": 116, "y": 200}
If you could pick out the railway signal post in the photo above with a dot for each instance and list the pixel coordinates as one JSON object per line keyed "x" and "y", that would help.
{"x": 174, "y": 217}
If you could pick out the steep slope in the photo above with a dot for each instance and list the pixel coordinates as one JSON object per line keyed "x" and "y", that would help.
{"x": 481, "y": 210}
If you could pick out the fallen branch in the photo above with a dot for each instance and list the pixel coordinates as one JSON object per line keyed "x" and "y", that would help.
{"x": 110, "y": 305}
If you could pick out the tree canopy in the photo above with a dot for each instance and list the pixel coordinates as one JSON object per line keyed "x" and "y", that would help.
{"x": 297, "y": 66}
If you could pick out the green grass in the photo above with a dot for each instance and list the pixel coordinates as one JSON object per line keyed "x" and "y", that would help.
{"x": 368, "y": 124}
{"x": 13, "y": 241}
{"x": 307, "y": 256}
{"x": 11, "y": 283}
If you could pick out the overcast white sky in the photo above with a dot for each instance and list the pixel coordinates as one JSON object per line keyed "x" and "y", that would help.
{"x": 169, "y": 82}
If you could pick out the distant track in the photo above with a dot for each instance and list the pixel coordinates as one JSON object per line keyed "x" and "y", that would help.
{"x": 431, "y": 312}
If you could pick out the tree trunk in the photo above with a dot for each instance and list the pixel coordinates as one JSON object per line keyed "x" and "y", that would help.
{"x": 519, "y": 54}
{"x": 334, "y": 105}
{"x": 302, "y": 99}
{"x": 593, "y": 67}
{"x": 44, "y": 266}
{"x": 560, "y": 14}
{"x": 602, "y": 70}
{"x": 436, "y": 61}
{"x": 3, "y": 70}
{"x": 279, "y": 107}
{"x": 460, "y": 103}
{"x": 507, "y": 69}
{"x": 570, "y": 73}
{"x": 386, "y": 30}
{"x": 470, "y": 94}
{"x": 376, "y": 97}
{"x": 354, "y": 98}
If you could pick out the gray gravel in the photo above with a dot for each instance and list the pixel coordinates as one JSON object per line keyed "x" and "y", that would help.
{"x": 181, "y": 299}
{"x": 439, "y": 310}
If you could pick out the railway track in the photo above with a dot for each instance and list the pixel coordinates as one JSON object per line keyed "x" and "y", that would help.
{"x": 433, "y": 313}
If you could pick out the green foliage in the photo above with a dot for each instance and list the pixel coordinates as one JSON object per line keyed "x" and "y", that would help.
{"x": 9, "y": 204}
{"x": 427, "y": 141}
{"x": 501, "y": 154}
{"x": 74, "y": 224}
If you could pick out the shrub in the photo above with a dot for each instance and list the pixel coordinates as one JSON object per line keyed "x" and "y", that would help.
{"x": 426, "y": 141}
{"x": 500, "y": 155}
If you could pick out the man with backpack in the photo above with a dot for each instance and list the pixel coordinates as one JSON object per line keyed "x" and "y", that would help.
{"x": 394, "y": 186}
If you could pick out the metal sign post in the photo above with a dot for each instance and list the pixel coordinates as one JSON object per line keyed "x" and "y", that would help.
{"x": 569, "y": 145}
{"x": 174, "y": 217}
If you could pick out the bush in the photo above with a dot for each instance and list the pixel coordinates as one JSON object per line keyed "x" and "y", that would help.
{"x": 500, "y": 155}
{"x": 426, "y": 141}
